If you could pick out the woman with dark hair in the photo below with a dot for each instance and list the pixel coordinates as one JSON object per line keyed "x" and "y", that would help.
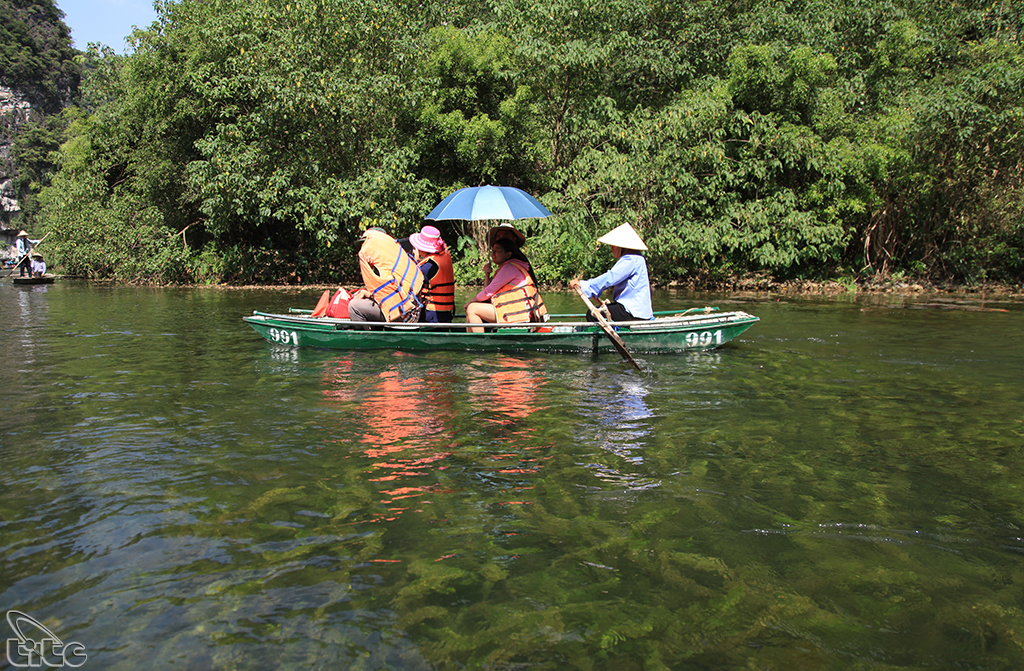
{"x": 506, "y": 231}
{"x": 512, "y": 296}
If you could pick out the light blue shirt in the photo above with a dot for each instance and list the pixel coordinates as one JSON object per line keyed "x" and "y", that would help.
{"x": 629, "y": 284}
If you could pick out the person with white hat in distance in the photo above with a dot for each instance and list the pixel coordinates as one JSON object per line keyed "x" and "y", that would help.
{"x": 22, "y": 248}
{"x": 628, "y": 280}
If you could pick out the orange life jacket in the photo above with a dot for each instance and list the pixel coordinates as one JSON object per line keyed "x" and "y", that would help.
{"x": 441, "y": 292}
{"x": 519, "y": 300}
{"x": 391, "y": 276}
{"x": 321, "y": 305}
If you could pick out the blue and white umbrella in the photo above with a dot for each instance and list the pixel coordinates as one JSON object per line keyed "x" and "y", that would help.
{"x": 476, "y": 203}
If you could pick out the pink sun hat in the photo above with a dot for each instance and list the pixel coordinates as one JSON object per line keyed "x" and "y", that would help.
{"x": 428, "y": 240}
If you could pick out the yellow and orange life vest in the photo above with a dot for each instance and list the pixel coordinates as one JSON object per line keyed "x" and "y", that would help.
{"x": 440, "y": 295}
{"x": 519, "y": 300}
{"x": 391, "y": 276}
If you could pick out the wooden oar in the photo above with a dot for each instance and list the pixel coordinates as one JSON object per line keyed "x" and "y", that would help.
{"x": 608, "y": 330}
{"x": 26, "y": 255}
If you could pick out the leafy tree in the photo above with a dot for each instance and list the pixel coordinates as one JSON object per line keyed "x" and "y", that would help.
{"x": 36, "y": 57}
{"x": 37, "y": 64}
{"x": 34, "y": 147}
{"x": 785, "y": 82}
{"x": 254, "y": 141}
{"x": 99, "y": 231}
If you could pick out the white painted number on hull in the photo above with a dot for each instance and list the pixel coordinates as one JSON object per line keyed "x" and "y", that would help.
{"x": 284, "y": 337}
{"x": 704, "y": 338}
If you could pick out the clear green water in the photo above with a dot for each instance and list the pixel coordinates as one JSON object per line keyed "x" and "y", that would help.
{"x": 840, "y": 488}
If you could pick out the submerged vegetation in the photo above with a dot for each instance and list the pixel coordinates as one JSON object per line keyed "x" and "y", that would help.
{"x": 839, "y": 490}
{"x": 250, "y": 142}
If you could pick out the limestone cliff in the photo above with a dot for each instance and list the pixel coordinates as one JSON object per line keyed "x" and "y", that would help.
{"x": 39, "y": 77}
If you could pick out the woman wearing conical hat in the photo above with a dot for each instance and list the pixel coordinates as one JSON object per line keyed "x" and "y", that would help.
{"x": 631, "y": 288}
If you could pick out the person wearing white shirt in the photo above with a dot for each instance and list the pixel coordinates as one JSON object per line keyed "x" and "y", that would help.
{"x": 38, "y": 265}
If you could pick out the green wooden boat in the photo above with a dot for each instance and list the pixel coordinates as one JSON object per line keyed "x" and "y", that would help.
{"x": 44, "y": 279}
{"x": 667, "y": 333}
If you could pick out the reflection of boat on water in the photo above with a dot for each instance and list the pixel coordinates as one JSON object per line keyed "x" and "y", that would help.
{"x": 668, "y": 333}
{"x": 416, "y": 434}
{"x": 400, "y": 422}
{"x": 43, "y": 279}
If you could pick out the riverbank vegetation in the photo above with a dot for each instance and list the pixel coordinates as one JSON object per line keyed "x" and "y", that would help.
{"x": 252, "y": 141}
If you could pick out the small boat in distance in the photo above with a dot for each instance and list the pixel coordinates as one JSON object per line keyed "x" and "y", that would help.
{"x": 43, "y": 279}
{"x": 668, "y": 333}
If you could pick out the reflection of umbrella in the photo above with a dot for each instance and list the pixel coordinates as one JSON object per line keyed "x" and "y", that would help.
{"x": 476, "y": 203}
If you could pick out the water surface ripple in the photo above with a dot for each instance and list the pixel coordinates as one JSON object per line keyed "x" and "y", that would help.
{"x": 839, "y": 488}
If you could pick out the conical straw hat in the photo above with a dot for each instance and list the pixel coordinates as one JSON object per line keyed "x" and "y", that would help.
{"x": 624, "y": 236}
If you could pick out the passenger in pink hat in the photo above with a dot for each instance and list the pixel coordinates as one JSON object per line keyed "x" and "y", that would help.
{"x": 435, "y": 261}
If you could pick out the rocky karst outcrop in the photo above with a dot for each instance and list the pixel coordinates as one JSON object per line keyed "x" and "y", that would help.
{"x": 15, "y": 111}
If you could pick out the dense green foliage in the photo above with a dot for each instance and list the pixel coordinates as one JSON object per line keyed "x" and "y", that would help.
{"x": 32, "y": 163}
{"x": 38, "y": 67}
{"x": 251, "y": 141}
{"x": 36, "y": 56}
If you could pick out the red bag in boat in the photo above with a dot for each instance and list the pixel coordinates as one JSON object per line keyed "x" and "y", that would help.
{"x": 338, "y": 307}
{"x": 321, "y": 305}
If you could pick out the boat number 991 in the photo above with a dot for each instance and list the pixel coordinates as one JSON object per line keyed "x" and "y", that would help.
{"x": 284, "y": 337}
{"x": 704, "y": 338}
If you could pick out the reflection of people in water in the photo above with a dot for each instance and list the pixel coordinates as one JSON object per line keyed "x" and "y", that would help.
{"x": 402, "y": 419}
{"x": 627, "y": 416}
{"x": 401, "y": 423}
{"x": 510, "y": 395}
{"x": 513, "y": 388}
